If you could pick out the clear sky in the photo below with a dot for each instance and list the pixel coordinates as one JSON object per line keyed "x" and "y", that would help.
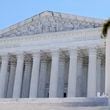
{"x": 13, "y": 11}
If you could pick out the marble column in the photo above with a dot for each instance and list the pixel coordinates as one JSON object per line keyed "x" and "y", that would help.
{"x": 3, "y": 75}
{"x": 26, "y": 77}
{"x": 107, "y": 65}
{"x": 11, "y": 79}
{"x": 98, "y": 75}
{"x": 53, "y": 90}
{"x": 61, "y": 77}
{"x": 79, "y": 89}
{"x": 35, "y": 75}
{"x": 18, "y": 76}
{"x": 42, "y": 79}
{"x": 92, "y": 73}
{"x": 72, "y": 73}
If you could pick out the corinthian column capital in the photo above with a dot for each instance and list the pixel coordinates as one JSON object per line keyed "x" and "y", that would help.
{"x": 72, "y": 50}
{"x": 55, "y": 52}
{"x": 4, "y": 56}
{"x": 92, "y": 51}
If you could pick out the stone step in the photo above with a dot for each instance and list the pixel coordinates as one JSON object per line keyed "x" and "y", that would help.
{"x": 34, "y": 106}
{"x": 55, "y": 104}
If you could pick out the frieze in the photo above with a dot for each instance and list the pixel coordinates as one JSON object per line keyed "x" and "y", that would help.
{"x": 78, "y": 35}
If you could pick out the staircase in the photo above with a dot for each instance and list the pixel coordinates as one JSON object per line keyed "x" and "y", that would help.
{"x": 55, "y": 104}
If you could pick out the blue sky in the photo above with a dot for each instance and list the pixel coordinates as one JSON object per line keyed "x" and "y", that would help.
{"x": 13, "y": 11}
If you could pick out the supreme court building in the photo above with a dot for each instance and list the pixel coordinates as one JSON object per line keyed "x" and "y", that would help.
{"x": 52, "y": 55}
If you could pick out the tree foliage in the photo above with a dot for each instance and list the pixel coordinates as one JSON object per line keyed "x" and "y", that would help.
{"x": 105, "y": 28}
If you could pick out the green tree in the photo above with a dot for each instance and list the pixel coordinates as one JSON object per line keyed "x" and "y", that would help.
{"x": 106, "y": 26}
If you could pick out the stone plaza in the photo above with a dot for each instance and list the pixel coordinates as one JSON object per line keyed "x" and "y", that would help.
{"x": 53, "y": 56}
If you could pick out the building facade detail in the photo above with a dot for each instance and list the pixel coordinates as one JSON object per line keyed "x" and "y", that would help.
{"x": 53, "y": 55}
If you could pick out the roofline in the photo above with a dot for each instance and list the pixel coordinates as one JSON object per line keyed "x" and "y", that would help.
{"x": 28, "y": 20}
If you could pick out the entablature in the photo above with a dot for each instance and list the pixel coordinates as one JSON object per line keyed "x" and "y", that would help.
{"x": 80, "y": 38}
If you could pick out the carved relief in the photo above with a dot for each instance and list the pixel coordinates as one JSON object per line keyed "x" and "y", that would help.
{"x": 50, "y": 22}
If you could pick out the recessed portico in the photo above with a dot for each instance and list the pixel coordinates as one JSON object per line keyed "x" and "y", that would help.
{"x": 30, "y": 74}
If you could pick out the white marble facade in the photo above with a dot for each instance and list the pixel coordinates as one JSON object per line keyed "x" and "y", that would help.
{"x": 52, "y": 55}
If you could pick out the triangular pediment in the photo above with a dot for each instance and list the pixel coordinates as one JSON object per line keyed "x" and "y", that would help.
{"x": 49, "y": 21}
